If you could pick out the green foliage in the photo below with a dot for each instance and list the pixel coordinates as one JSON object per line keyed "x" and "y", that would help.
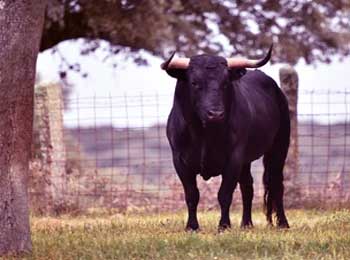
{"x": 314, "y": 234}
{"x": 313, "y": 30}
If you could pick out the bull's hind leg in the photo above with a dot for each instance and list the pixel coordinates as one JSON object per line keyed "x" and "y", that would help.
{"x": 273, "y": 182}
{"x": 247, "y": 191}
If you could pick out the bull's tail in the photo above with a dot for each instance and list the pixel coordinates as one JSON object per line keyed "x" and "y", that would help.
{"x": 273, "y": 163}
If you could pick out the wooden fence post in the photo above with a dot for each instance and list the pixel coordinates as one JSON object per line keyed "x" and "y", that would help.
{"x": 289, "y": 83}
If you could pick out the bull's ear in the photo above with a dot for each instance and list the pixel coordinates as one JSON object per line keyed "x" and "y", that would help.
{"x": 237, "y": 73}
{"x": 177, "y": 73}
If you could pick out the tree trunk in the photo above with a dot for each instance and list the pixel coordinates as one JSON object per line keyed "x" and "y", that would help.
{"x": 21, "y": 24}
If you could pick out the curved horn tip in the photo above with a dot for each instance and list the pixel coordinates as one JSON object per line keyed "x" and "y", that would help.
{"x": 271, "y": 47}
{"x": 165, "y": 64}
{"x": 270, "y": 50}
{"x": 266, "y": 59}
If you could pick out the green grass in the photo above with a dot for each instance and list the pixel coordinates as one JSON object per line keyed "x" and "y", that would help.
{"x": 314, "y": 234}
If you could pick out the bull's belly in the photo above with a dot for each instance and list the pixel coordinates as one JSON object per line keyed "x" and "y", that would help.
{"x": 214, "y": 161}
{"x": 256, "y": 148}
{"x": 253, "y": 155}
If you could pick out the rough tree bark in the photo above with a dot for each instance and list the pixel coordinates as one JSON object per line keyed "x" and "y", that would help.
{"x": 21, "y": 24}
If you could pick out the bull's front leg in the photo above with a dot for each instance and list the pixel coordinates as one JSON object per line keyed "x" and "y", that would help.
{"x": 229, "y": 182}
{"x": 189, "y": 182}
{"x": 192, "y": 199}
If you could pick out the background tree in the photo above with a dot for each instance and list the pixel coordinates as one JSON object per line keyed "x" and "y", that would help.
{"x": 313, "y": 30}
{"x": 21, "y": 24}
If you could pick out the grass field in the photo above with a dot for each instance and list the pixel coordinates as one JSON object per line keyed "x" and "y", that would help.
{"x": 314, "y": 234}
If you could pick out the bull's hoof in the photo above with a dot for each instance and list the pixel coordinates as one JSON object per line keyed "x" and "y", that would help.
{"x": 269, "y": 222}
{"x": 192, "y": 228}
{"x": 223, "y": 227}
{"x": 283, "y": 224}
{"x": 247, "y": 224}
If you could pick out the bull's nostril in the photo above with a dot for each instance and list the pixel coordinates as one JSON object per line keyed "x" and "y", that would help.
{"x": 215, "y": 115}
{"x": 220, "y": 114}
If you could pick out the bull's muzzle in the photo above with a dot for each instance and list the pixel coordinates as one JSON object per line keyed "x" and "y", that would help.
{"x": 215, "y": 116}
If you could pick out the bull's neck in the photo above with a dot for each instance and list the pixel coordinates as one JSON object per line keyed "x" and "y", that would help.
{"x": 213, "y": 151}
{"x": 214, "y": 135}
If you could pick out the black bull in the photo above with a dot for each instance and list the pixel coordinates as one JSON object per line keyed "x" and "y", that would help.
{"x": 222, "y": 119}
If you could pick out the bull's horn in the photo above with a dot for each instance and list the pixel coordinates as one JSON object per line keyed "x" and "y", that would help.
{"x": 177, "y": 63}
{"x": 246, "y": 63}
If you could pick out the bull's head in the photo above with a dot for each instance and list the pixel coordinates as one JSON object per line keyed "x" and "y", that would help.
{"x": 209, "y": 79}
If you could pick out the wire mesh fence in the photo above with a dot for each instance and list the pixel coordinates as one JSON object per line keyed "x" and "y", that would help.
{"x": 115, "y": 155}
{"x": 323, "y": 145}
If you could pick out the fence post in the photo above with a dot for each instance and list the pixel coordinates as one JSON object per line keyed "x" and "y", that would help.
{"x": 48, "y": 180}
{"x": 289, "y": 83}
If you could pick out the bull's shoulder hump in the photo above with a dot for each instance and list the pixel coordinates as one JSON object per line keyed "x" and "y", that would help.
{"x": 258, "y": 91}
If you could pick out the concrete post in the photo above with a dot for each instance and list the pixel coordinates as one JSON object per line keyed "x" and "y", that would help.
{"x": 49, "y": 182}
